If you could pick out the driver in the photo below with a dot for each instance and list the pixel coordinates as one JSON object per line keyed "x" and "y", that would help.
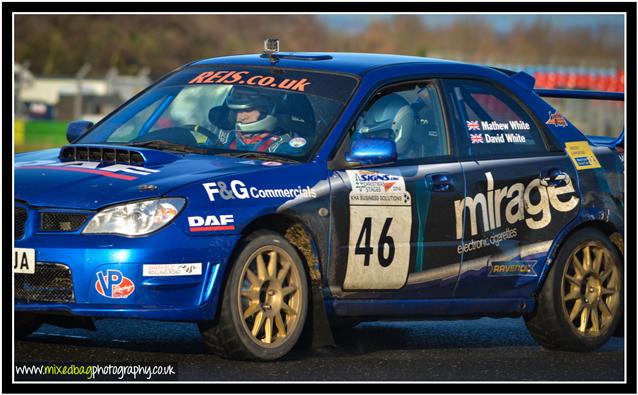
{"x": 256, "y": 125}
{"x": 392, "y": 118}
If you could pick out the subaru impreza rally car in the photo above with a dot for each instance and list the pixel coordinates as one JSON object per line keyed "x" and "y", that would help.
{"x": 265, "y": 196}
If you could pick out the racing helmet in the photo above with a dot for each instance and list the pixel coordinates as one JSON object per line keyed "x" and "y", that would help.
{"x": 390, "y": 117}
{"x": 247, "y": 99}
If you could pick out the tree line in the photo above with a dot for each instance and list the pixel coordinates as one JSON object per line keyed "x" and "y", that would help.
{"x": 58, "y": 45}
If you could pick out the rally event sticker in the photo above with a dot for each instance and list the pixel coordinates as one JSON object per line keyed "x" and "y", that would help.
{"x": 581, "y": 155}
{"x": 380, "y": 223}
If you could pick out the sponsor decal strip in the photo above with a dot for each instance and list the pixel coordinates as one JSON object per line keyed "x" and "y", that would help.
{"x": 82, "y": 170}
{"x": 536, "y": 248}
{"x": 452, "y": 270}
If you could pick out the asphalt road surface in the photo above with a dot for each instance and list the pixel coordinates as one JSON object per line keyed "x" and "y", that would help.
{"x": 477, "y": 350}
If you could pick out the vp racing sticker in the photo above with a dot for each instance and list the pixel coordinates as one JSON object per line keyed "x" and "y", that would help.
{"x": 114, "y": 285}
{"x": 379, "y": 233}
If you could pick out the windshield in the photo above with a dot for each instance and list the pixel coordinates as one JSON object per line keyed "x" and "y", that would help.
{"x": 231, "y": 110}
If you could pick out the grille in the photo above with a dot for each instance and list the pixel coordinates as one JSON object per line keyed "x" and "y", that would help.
{"x": 51, "y": 282}
{"x": 20, "y": 221}
{"x": 99, "y": 154}
{"x": 61, "y": 222}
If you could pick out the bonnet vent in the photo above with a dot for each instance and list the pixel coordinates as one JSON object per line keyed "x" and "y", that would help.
{"x": 101, "y": 154}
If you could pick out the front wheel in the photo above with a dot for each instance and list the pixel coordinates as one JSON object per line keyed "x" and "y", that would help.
{"x": 264, "y": 304}
{"x": 580, "y": 303}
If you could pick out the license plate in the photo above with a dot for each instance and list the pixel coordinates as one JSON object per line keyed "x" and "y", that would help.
{"x": 24, "y": 260}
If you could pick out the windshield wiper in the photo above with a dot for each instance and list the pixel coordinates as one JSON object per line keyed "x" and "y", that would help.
{"x": 258, "y": 155}
{"x": 167, "y": 145}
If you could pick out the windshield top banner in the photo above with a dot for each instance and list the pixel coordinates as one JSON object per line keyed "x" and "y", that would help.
{"x": 327, "y": 85}
{"x": 245, "y": 77}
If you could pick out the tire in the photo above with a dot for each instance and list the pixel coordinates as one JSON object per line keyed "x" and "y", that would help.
{"x": 26, "y": 324}
{"x": 274, "y": 305}
{"x": 580, "y": 304}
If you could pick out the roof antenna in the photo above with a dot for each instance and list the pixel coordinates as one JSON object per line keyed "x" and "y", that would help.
{"x": 271, "y": 47}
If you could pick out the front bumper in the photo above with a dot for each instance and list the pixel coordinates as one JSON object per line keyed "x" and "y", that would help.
{"x": 99, "y": 264}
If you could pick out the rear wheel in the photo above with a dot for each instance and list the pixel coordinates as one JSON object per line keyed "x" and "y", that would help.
{"x": 26, "y": 324}
{"x": 579, "y": 306}
{"x": 265, "y": 300}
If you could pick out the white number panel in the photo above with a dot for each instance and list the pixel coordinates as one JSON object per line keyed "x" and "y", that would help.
{"x": 380, "y": 227}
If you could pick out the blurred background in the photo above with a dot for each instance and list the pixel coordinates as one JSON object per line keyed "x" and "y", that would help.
{"x": 83, "y": 66}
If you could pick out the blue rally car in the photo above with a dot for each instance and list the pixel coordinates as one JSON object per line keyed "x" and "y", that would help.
{"x": 265, "y": 196}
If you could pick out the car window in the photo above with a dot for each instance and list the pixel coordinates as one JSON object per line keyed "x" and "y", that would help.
{"x": 129, "y": 129}
{"x": 221, "y": 111}
{"x": 411, "y": 115}
{"x": 491, "y": 122}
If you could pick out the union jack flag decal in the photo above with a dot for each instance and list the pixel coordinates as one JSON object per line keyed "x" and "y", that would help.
{"x": 476, "y": 138}
{"x": 473, "y": 125}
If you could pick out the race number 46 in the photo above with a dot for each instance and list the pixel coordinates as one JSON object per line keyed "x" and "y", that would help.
{"x": 384, "y": 239}
{"x": 379, "y": 243}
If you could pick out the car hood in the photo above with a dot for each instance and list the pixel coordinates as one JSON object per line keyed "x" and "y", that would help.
{"x": 43, "y": 179}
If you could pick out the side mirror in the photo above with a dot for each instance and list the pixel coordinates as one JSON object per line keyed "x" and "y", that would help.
{"x": 372, "y": 151}
{"x": 77, "y": 129}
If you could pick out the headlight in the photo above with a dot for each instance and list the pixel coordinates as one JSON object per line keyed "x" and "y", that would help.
{"x": 135, "y": 219}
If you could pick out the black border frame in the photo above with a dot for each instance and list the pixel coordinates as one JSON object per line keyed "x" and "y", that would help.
{"x": 476, "y": 7}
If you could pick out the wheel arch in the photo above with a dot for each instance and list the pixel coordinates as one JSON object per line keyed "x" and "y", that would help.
{"x": 317, "y": 331}
{"x": 609, "y": 229}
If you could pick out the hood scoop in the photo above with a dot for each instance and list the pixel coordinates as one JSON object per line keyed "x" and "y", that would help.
{"x": 115, "y": 154}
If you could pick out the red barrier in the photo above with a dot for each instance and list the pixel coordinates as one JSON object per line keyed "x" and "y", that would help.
{"x": 557, "y": 80}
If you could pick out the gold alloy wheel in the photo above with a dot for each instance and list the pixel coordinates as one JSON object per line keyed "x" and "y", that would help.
{"x": 270, "y": 297}
{"x": 590, "y": 289}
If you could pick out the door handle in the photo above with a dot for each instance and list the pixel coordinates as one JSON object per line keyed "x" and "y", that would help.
{"x": 554, "y": 178}
{"x": 439, "y": 183}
